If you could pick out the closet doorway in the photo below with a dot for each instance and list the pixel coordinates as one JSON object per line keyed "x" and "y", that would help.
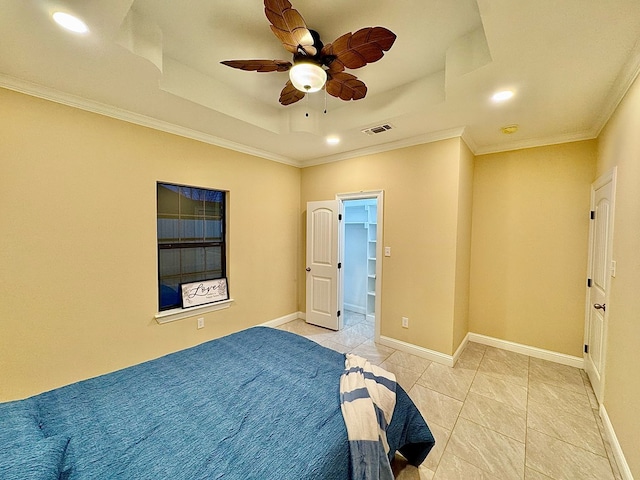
{"x": 361, "y": 252}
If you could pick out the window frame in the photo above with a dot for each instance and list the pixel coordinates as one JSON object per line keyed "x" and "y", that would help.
{"x": 180, "y": 246}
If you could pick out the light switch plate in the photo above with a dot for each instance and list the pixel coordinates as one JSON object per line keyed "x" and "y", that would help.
{"x": 613, "y": 268}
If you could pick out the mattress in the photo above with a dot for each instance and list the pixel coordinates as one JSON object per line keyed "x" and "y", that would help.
{"x": 258, "y": 404}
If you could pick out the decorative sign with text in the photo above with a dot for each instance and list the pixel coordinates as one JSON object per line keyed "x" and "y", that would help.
{"x": 203, "y": 292}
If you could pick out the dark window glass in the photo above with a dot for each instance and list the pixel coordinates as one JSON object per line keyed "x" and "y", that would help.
{"x": 191, "y": 238}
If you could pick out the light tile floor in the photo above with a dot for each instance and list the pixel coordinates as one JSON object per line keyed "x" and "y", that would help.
{"x": 496, "y": 415}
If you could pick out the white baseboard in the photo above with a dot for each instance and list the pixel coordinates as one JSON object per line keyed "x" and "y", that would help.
{"x": 417, "y": 351}
{"x": 276, "y": 322}
{"x": 621, "y": 461}
{"x": 460, "y": 348}
{"x": 450, "y": 360}
{"x": 535, "y": 352}
{"x": 355, "y": 308}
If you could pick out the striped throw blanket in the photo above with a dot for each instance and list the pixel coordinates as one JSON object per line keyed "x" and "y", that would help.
{"x": 367, "y": 400}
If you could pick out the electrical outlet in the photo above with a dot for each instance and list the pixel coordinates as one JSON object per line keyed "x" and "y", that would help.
{"x": 201, "y": 322}
{"x": 405, "y": 322}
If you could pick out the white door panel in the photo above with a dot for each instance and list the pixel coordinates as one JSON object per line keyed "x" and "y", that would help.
{"x": 322, "y": 264}
{"x": 600, "y": 251}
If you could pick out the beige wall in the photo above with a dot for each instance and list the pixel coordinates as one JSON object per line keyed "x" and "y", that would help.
{"x": 421, "y": 202}
{"x": 78, "y": 252}
{"x": 463, "y": 247}
{"x": 529, "y": 249}
{"x": 619, "y": 145}
{"x": 78, "y": 246}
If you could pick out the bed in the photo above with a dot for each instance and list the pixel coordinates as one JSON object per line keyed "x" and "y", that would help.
{"x": 258, "y": 404}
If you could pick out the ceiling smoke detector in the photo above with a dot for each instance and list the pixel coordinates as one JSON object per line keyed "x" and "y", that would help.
{"x": 509, "y": 129}
{"x": 378, "y": 129}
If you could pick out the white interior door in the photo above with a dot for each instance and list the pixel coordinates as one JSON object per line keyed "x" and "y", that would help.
{"x": 600, "y": 272}
{"x": 322, "y": 264}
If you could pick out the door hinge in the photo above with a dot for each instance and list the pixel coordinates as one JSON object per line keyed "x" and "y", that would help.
{"x": 589, "y": 282}
{"x": 592, "y": 214}
{"x": 586, "y": 349}
{"x": 339, "y": 265}
{"x": 338, "y": 313}
{"x": 339, "y": 217}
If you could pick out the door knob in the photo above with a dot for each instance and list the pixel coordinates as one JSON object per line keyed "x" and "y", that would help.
{"x": 308, "y": 269}
{"x": 602, "y": 307}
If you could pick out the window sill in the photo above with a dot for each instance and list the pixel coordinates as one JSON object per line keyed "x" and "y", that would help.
{"x": 179, "y": 313}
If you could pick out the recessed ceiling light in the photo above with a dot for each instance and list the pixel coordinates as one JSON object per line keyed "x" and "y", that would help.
{"x": 333, "y": 140}
{"x": 69, "y": 22}
{"x": 502, "y": 96}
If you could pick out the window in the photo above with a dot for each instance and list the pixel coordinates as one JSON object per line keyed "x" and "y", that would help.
{"x": 191, "y": 239}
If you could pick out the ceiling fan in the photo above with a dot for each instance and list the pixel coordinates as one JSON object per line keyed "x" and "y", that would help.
{"x": 316, "y": 66}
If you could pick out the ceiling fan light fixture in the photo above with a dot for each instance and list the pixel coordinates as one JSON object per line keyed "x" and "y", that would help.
{"x": 307, "y": 77}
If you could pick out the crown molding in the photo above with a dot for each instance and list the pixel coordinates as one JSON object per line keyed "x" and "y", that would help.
{"x": 75, "y": 101}
{"x": 627, "y": 75}
{"x": 469, "y": 141}
{"x": 385, "y": 147}
{"x": 621, "y": 86}
{"x": 537, "y": 142}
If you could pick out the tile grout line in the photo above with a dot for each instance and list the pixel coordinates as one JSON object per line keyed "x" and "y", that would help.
{"x": 488, "y": 428}
{"x": 584, "y": 392}
{"x": 444, "y": 450}
{"x": 561, "y": 439}
{"x": 464, "y": 401}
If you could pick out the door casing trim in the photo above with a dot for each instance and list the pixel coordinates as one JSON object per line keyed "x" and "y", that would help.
{"x": 379, "y": 196}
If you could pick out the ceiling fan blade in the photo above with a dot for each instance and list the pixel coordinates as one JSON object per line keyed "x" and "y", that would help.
{"x": 355, "y": 50}
{"x": 289, "y": 26}
{"x": 346, "y": 86}
{"x": 259, "y": 65}
{"x": 290, "y": 94}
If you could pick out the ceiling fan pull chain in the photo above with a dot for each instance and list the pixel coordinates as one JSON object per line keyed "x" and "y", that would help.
{"x": 325, "y": 100}
{"x": 307, "y": 112}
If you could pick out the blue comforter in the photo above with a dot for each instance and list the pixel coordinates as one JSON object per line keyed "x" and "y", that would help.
{"x": 258, "y": 404}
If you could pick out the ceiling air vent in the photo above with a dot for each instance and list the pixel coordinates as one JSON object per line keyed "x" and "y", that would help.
{"x": 378, "y": 129}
